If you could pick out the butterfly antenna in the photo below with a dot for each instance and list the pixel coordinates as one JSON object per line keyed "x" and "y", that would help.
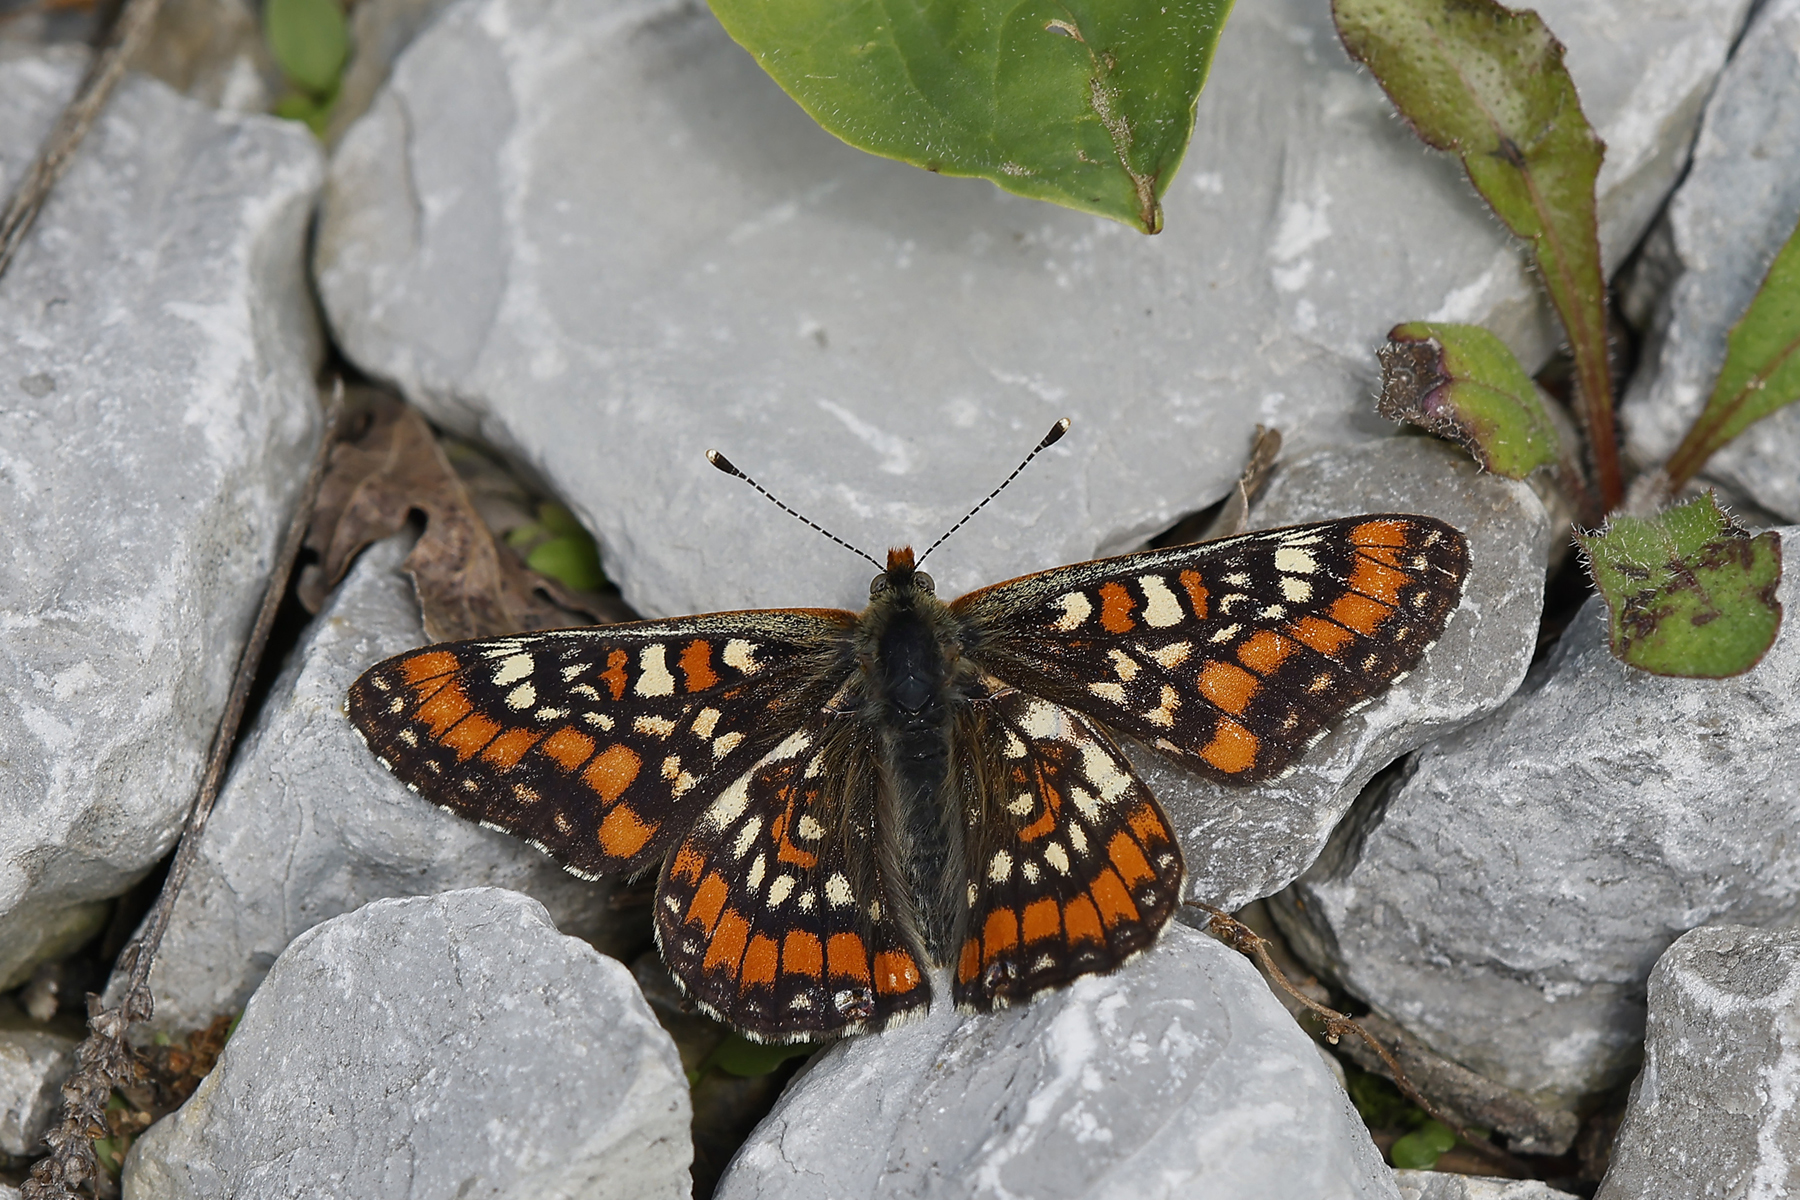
{"x": 724, "y": 464}
{"x": 1050, "y": 439}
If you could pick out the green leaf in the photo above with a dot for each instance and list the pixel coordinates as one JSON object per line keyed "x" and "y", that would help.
{"x": 310, "y": 41}
{"x": 314, "y": 114}
{"x": 1688, "y": 592}
{"x": 1082, "y": 103}
{"x": 568, "y": 553}
{"x": 1460, "y": 382}
{"x": 1762, "y": 366}
{"x": 1488, "y": 85}
{"x": 738, "y": 1055}
{"x": 1420, "y": 1149}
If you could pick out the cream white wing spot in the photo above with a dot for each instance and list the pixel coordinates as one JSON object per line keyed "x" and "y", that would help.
{"x": 723, "y": 813}
{"x": 396, "y": 706}
{"x": 754, "y": 876}
{"x": 1226, "y": 634}
{"x": 746, "y": 838}
{"x": 1227, "y": 603}
{"x": 1164, "y": 713}
{"x": 726, "y": 744}
{"x": 1161, "y": 609}
{"x": 1295, "y": 589}
{"x": 653, "y": 673}
{"x": 1273, "y": 612}
{"x": 1078, "y": 838}
{"x": 547, "y": 715}
{"x": 1015, "y": 746}
{"x": 1000, "y": 867}
{"x": 1173, "y": 655}
{"x": 1124, "y": 666}
{"x": 780, "y": 890}
{"x": 1292, "y": 560}
{"x": 1084, "y": 800}
{"x": 790, "y": 747}
{"x": 1057, "y": 857}
{"x": 807, "y": 829}
{"x": 409, "y": 738}
{"x": 513, "y": 669}
{"x": 660, "y": 727}
{"x": 521, "y": 697}
{"x": 1103, "y": 772}
{"x": 705, "y": 722}
{"x": 807, "y": 901}
{"x": 740, "y": 655}
{"x": 1237, "y": 579}
{"x": 585, "y": 691}
{"x": 572, "y": 670}
{"x": 600, "y": 721}
{"x": 1021, "y": 805}
{"x": 1076, "y": 608}
{"x": 1030, "y": 871}
{"x": 1108, "y": 691}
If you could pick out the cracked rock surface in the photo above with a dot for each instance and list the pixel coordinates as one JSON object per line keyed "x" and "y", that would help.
{"x": 1440, "y": 1185}
{"x": 1506, "y": 898}
{"x": 1241, "y": 844}
{"x": 157, "y": 415}
{"x": 1714, "y": 1111}
{"x": 598, "y": 234}
{"x": 451, "y": 1045}
{"x": 33, "y": 1064}
{"x": 311, "y": 825}
{"x": 1178, "y": 1076}
{"x": 1739, "y": 203}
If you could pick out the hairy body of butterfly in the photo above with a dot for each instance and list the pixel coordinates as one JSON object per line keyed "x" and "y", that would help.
{"x": 836, "y": 801}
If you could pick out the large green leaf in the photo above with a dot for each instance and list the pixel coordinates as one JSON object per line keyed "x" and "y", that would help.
{"x": 310, "y": 41}
{"x": 1688, "y": 592}
{"x": 1461, "y": 382}
{"x": 1088, "y": 105}
{"x": 1488, "y": 84}
{"x": 1762, "y": 366}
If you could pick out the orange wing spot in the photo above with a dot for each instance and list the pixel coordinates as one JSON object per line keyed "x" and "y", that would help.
{"x": 444, "y": 709}
{"x": 1379, "y": 533}
{"x": 1046, "y": 822}
{"x": 696, "y": 665}
{"x": 1387, "y": 556}
{"x": 1232, "y": 749}
{"x": 1264, "y": 650}
{"x": 785, "y": 850}
{"x": 429, "y": 665}
{"x": 707, "y": 902}
{"x": 1358, "y": 612}
{"x": 1383, "y": 583}
{"x": 612, "y": 772}
{"x": 1195, "y": 588}
{"x": 568, "y": 748}
{"x": 1081, "y": 921}
{"x": 506, "y": 750}
{"x": 895, "y": 972}
{"x": 1147, "y": 823}
{"x": 623, "y": 833}
{"x": 1000, "y": 933}
{"x": 614, "y": 675}
{"x": 688, "y": 864}
{"x": 470, "y": 735}
{"x": 801, "y": 954}
{"x": 968, "y": 964}
{"x": 760, "y": 961}
{"x": 1116, "y": 605}
{"x": 727, "y": 944}
{"x": 845, "y": 955}
{"x": 1320, "y": 635}
{"x": 1042, "y": 919}
{"x": 1112, "y": 899}
{"x": 1231, "y": 688}
{"x": 1128, "y": 860}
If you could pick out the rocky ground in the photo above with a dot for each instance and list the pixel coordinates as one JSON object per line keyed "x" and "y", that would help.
{"x": 594, "y": 239}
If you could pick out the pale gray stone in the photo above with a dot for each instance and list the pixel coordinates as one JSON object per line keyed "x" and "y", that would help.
{"x": 1244, "y": 843}
{"x": 1739, "y": 204}
{"x": 1506, "y": 899}
{"x": 1178, "y": 1076}
{"x": 1442, "y": 1185}
{"x": 310, "y": 824}
{"x": 157, "y": 414}
{"x": 421, "y": 1048}
{"x": 33, "y": 1065}
{"x": 1715, "y": 1112}
{"x": 598, "y": 234}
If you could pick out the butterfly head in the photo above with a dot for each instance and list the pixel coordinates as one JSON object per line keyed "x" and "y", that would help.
{"x": 902, "y": 576}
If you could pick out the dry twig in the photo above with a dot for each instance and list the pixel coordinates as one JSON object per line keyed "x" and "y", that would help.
{"x": 105, "y": 1059}
{"x": 1244, "y": 940}
{"x": 129, "y": 33}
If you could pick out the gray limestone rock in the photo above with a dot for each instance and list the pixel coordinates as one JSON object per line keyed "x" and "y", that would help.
{"x": 598, "y": 234}
{"x": 1244, "y": 843}
{"x": 33, "y": 1065}
{"x": 1713, "y": 1114}
{"x": 157, "y": 413}
{"x": 310, "y": 825}
{"x": 451, "y": 1045}
{"x": 1739, "y": 204}
{"x": 1178, "y": 1076}
{"x": 1506, "y": 899}
{"x": 1441, "y": 1185}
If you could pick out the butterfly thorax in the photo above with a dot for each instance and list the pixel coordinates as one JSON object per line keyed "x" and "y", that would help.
{"x": 909, "y": 653}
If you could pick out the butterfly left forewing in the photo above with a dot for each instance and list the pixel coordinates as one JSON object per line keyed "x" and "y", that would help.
{"x": 1073, "y": 867}
{"x": 1232, "y": 656}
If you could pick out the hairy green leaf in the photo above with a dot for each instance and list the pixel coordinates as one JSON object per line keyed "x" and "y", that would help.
{"x": 1688, "y": 592}
{"x": 1420, "y": 1149}
{"x": 1762, "y": 366}
{"x": 1460, "y": 382}
{"x": 1087, "y": 105}
{"x": 310, "y": 41}
{"x": 1488, "y": 84}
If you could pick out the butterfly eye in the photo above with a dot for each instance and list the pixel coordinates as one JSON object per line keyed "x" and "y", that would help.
{"x": 925, "y": 583}
{"x": 878, "y": 585}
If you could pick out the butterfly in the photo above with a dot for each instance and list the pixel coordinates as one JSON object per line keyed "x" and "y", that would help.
{"x": 837, "y": 801}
